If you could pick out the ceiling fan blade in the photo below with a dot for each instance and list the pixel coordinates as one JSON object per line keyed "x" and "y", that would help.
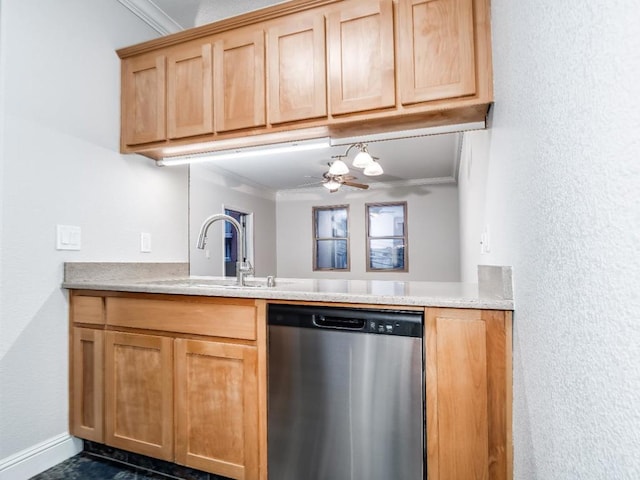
{"x": 356, "y": 185}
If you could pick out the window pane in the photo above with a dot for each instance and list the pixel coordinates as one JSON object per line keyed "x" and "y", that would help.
{"x": 331, "y": 254}
{"x": 386, "y": 220}
{"x": 331, "y": 223}
{"x": 386, "y": 254}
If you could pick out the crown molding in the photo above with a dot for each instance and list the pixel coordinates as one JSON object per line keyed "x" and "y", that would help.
{"x": 417, "y": 182}
{"x": 256, "y": 16}
{"x": 152, "y": 15}
{"x": 243, "y": 184}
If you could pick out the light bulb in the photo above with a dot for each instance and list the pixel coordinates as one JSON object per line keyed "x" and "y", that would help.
{"x": 373, "y": 169}
{"x": 338, "y": 167}
{"x": 362, "y": 159}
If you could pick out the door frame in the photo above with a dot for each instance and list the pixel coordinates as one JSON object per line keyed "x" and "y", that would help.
{"x": 249, "y": 239}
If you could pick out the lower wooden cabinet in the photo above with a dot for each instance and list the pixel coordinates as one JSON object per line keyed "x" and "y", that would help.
{"x": 141, "y": 384}
{"x": 139, "y": 393}
{"x": 143, "y": 381}
{"x": 86, "y": 378}
{"x": 468, "y": 394}
{"x": 216, "y": 407}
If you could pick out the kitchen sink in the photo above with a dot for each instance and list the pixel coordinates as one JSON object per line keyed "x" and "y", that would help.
{"x": 204, "y": 282}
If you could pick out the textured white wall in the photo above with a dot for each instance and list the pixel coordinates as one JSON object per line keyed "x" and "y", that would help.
{"x": 472, "y": 183}
{"x": 432, "y": 213}
{"x": 208, "y": 192}
{"x": 562, "y": 162}
{"x": 60, "y": 83}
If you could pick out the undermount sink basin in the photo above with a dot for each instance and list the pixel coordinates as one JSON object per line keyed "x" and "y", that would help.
{"x": 212, "y": 283}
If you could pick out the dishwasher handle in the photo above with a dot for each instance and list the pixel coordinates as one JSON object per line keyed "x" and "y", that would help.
{"x": 326, "y": 321}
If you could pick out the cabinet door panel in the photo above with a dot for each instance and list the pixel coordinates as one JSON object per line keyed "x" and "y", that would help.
{"x": 87, "y": 384}
{"x": 139, "y": 393}
{"x": 468, "y": 395}
{"x": 297, "y": 69}
{"x": 436, "y": 50}
{"x": 239, "y": 81}
{"x": 189, "y": 90}
{"x": 217, "y": 408}
{"x": 143, "y": 97}
{"x": 361, "y": 57}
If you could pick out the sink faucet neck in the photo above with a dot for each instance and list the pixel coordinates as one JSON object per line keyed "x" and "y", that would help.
{"x": 243, "y": 267}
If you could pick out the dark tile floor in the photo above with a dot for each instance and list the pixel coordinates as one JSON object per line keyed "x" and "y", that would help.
{"x": 102, "y": 462}
{"x": 87, "y": 467}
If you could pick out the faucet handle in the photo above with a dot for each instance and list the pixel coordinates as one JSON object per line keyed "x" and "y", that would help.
{"x": 246, "y": 266}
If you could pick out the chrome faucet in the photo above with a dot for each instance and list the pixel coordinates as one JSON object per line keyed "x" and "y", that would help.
{"x": 243, "y": 267}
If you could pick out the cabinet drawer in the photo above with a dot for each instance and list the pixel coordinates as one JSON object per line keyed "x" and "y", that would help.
{"x": 87, "y": 310}
{"x": 230, "y": 320}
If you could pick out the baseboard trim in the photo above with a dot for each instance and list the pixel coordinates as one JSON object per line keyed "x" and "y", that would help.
{"x": 34, "y": 460}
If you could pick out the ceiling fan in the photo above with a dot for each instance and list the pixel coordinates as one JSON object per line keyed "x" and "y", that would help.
{"x": 338, "y": 173}
{"x": 333, "y": 182}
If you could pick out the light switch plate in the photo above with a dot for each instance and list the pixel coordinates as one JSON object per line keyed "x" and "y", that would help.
{"x": 68, "y": 237}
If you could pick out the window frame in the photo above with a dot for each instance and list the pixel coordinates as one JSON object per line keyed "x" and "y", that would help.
{"x": 316, "y": 239}
{"x": 404, "y": 237}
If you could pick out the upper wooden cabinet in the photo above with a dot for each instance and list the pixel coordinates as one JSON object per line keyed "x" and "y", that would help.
{"x": 239, "y": 80}
{"x": 189, "y": 90}
{"x": 143, "y": 99}
{"x": 297, "y": 70}
{"x": 319, "y": 67}
{"x": 436, "y": 50}
{"x": 361, "y": 56}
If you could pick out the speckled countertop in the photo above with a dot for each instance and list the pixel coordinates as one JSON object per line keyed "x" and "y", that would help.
{"x": 174, "y": 279}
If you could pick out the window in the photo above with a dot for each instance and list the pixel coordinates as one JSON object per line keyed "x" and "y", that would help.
{"x": 331, "y": 238}
{"x": 387, "y": 237}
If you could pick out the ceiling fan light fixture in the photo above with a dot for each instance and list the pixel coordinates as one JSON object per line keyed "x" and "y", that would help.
{"x": 338, "y": 167}
{"x": 331, "y": 185}
{"x": 363, "y": 159}
{"x": 373, "y": 170}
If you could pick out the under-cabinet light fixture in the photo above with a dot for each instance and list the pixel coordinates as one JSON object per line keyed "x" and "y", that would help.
{"x": 275, "y": 149}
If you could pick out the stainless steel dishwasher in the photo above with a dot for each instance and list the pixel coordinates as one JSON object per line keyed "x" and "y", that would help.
{"x": 345, "y": 394}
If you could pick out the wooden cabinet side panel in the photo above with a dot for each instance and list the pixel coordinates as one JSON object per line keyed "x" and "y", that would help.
{"x": 144, "y": 108}
{"x": 361, "y": 57}
{"x": 297, "y": 69}
{"x": 139, "y": 393}
{"x": 190, "y": 90}
{"x": 261, "y": 343}
{"x": 431, "y": 395}
{"x": 216, "y": 409}
{"x": 87, "y": 384}
{"x": 498, "y": 392}
{"x": 239, "y": 85}
{"x": 436, "y": 51}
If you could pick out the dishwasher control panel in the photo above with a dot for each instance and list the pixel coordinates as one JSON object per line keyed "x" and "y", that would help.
{"x": 404, "y": 323}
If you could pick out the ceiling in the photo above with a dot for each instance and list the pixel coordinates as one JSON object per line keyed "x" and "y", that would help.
{"x": 416, "y": 160}
{"x": 413, "y": 161}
